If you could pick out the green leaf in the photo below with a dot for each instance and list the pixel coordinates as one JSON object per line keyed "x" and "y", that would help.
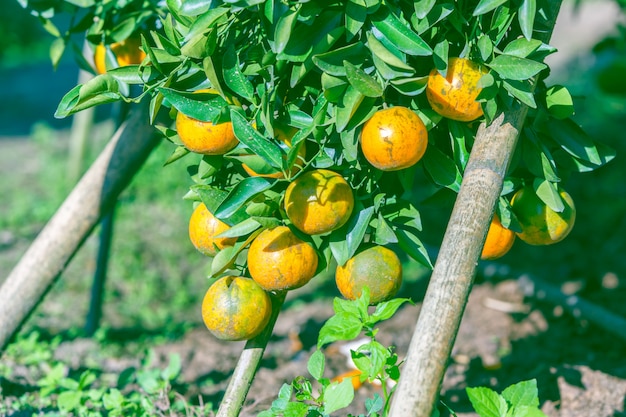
{"x": 526, "y": 17}
{"x": 413, "y": 246}
{"x": 203, "y": 106}
{"x": 347, "y": 107}
{"x": 559, "y": 102}
{"x": 440, "y": 56}
{"x": 69, "y": 400}
{"x": 356, "y": 13}
{"x": 296, "y": 409}
{"x": 357, "y": 227}
{"x": 522, "y": 47}
{"x": 423, "y": 7}
{"x": 284, "y": 27}
{"x": 538, "y": 158}
{"x": 521, "y": 90}
{"x": 224, "y": 259}
{"x": 381, "y": 52}
{"x": 398, "y": 33}
{"x": 522, "y": 393}
{"x": 574, "y": 140}
{"x": 412, "y": 86}
{"x": 515, "y": 68}
{"x": 338, "y": 395}
{"x": 341, "y": 326}
{"x": 387, "y": 309}
{"x": 487, "y": 402}
{"x": 364, "y": 83}
{"x": 259, "y": 144}
{"x": 244, "y": 191}
{"x": 526, "y": 411}
{"x": 113, "y": 399}
{"x": 485, "y": 47}
{"x": 173, "y": 368}
{"x": 384, "y": 233}
{"x": 241, "y": 229}
{"x": 234, "y": 78}
{"x": 436, "y": 15}
{"x": 442, "y": 169}
{"x": 99, "y": 90}
{"x": 485, "y": 6}
{"x": 316, "y": 364}
{"x": 211, "y": 196}
{"x": 549, "y": 194}
{"x": 332, "y": 62}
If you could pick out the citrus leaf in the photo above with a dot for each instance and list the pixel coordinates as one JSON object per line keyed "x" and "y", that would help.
{"x": 384, "y": 233}
{"x": 364, "y": 83}
{"x": 243, "y": 192}
{"x": 234, "y": 78}
{"x": 526, "y": 17}
{"x": 423, "y": 7}
{"x": 387, "y": 309}
{"x": 485, "y": 47}
{"x": 442, "y": 169}
{"x": 413, "y": 246}
{"x": 195, "y": 7}
{"x": 381, "y": 52}
{"x": 200, "y": 106}
{"x": 240, "y": 229}
{"x": 398, "y": 33}
{"x": 549, "y": 194}
{"x": 522, "y": 47}
{"x": 332, "y": 62}
{"x": 485, "y": 6}
{"x": 356, "y": 13}
{"x": 259, "y": 144}
{"x": 521, "y": 90}
{"x": 357, "y": 226}
{"x": 284, "y": 27}
{"x": 435, "y": 15}
{"x": 440, "y": 56}
{"x": 223, "y": 260}
{"x": 346, "y": 108}
{"x": 559, "y": 102}
{"x": 574, "y": 140}
{"x": 412, "y": 86}
{"x": 515, "y": 68}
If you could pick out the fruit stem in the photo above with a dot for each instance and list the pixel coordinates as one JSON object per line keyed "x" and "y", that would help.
{"x": 248, "y": 364}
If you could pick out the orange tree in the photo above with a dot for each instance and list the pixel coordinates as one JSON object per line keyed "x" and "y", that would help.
{"x": 382, "y": 95}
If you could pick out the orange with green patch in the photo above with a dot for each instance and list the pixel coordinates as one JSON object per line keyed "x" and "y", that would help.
{"x": 540, "y": 224}
{"x": 279, "y": 260}
{"x": 454, "y": 96}
{"x": 377, "y": 267}
{"x": 319, "y": 201}
{"x": 236, "y": 308}
{"x": 394, "y": 139}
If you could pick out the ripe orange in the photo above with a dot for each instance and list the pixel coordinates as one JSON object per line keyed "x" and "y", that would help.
{"x": 279, "y": 260}
{"x": 205, "y": 137}
{"x": 540, "y": 224}
{"x": 319, "y": 201}
{"x": 455, "y": 95}
{"x": 203, "y": 229}
{"x": 236, "y": 308}
{"x": 499, "y": 240}
{"x": 376, "y": 267}
{"x": 127, "y": 52}
{"x": 284, "y": 137}
{"x": 394, "y": 139}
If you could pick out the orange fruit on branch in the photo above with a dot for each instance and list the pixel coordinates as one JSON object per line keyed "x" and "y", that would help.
{"x": 394, "y": 139}
{"x": 319, "y": 201}
{"x": 376, "y": 267}
{"x": 127, "y": 52}
{"x": 279, "y": 260}
{"x": 454, "y": 96}
{"x": 285, "y": 136}
{"x": 236, "y": 308}
{"x": 203, "y": 230}
{"x": 499, "y": 240}
{"x": 540, "y": 224}
{"x": 205, "y": 137}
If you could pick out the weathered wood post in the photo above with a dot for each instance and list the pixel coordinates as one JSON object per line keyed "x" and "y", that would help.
{"x": 92, "y": 197}
{"x": 454, "y": 270}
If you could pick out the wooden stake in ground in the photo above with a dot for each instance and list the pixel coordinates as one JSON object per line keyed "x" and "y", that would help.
{"x": 453, "y": 274}
{"x": 92, "y": 197}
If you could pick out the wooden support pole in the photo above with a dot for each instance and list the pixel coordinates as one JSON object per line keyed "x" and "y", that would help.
{"x": 92, "y": 197}
{"x": 455, "y": 268}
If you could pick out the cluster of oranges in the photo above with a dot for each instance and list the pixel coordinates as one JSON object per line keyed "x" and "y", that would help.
{"x": 319, "y": 201}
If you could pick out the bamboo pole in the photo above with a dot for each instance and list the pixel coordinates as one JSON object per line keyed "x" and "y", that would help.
{"x": 248, "y": 364}
{"x": 55, "y": 245}
{"x": 455, "y": 268}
